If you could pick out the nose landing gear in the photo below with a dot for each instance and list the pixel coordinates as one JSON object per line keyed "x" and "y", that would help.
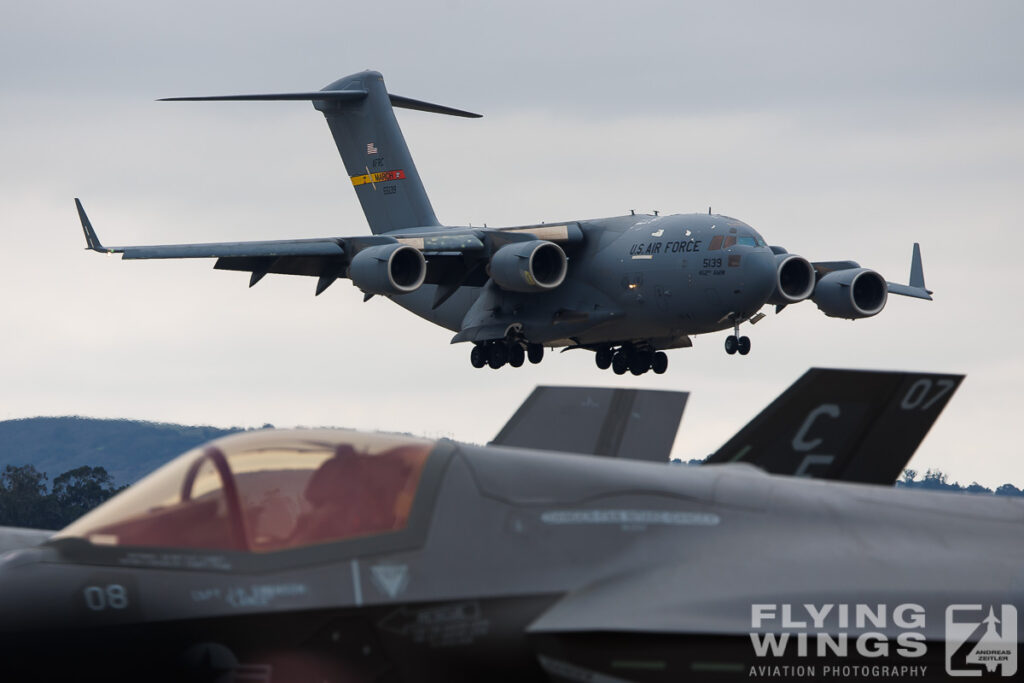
{"x": 735, "y": 342}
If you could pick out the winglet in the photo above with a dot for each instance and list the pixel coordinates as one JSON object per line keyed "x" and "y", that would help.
{"x": 91, "y": 240}
{"x": 916, "y": 286}
{"x": 916, "y": 269}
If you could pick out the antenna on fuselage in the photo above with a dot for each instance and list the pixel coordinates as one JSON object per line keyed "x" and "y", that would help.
{"x": 709, "y": 210}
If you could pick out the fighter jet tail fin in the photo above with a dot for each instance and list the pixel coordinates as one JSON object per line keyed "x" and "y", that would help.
{"x": 847, "y": 425}
{"x": 639, "y": 424}
{"x": 359, "y": 111}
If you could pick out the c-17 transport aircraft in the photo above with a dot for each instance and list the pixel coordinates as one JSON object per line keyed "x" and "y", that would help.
{"x": 339, "y": 556}
{"x": 626, "y": 287}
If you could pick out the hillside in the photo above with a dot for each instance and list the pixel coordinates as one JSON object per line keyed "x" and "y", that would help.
{"x": 128, "y": 449}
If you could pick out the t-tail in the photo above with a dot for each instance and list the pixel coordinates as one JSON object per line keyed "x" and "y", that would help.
{"x": 360, "y": 113}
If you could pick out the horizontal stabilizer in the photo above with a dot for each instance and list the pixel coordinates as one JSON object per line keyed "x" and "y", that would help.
{"x": 846, "y": 425}
{"x": 418, "y": 105}
{"x": 329, "y": 96}
{"x": 326, "y": 95}
{"x": 639, "y": 424}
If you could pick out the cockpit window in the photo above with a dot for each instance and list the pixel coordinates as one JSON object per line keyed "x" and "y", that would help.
{"x": 267, "y": 491}
{"x": 747, "y": 240}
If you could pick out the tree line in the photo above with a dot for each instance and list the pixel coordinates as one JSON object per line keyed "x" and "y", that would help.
{"x": 936, "y": 480}
{"x": 28, "y": 500}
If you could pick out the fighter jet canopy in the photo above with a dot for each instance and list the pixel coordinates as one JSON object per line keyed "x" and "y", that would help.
{"x": 267, "y": 491}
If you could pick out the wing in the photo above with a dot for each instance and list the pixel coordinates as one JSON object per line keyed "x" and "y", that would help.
{"x": 915, "y": 288}
{"x": 848, "y": 425}
{"x": 640, "y": 424}
{"x": 452, "y": 257}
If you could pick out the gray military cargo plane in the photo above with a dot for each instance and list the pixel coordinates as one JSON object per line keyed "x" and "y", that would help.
{"x": 334, "y": 555}
{"x": 626, "y": 287}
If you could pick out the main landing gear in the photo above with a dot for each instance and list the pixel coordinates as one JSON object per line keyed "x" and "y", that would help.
{"x": 735, "y": 342}
{"x": 498, "y": 352}
{"x": 628, "y": 358}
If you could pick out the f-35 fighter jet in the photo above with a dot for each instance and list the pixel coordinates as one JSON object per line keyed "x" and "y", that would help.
{"x": 339, "y": 556}
{"x": 626, "y": 288}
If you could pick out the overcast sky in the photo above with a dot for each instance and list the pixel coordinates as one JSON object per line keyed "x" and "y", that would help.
{"x": 838, "y": 130}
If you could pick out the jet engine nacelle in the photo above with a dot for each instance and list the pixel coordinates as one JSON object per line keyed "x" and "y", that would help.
{"x": 388, "y": 269}
{"x": 533, "y": 266}
{"x": 794, "y": 279}
{"x": 854, "y": 293}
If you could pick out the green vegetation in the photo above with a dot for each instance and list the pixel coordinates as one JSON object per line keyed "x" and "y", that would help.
{"x": 935, "y": 480}
{"x": 27, "y": 501}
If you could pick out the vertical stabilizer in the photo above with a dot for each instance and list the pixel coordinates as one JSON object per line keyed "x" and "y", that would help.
{"x": 639, "y": 424}
{"x": 358, "y": 109}
{"x": 846, "y": 425}
{"x": 375, "y": 155}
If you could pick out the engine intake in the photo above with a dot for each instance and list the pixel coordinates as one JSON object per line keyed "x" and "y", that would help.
{"x": 794, "y": 280}
{"x": 388, "y": 269}
{"x": 854, "y": 293}
{"x": 533, "y": 266}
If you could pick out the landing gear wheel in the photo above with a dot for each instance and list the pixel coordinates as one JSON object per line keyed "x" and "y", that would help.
{"x": 620, "y": 364}
{"x": 660, "y": 363}
{"x": 535, "y": 352}
{"x": 478, "y": 356}
{"x": 639, "y": 363}
{"x": 497, "y": 354}
{"x": 516, "y": 354}
{"x": 603, "y": 358}
{"x": 731, "y": 344}
{"x": 743, "y": 345}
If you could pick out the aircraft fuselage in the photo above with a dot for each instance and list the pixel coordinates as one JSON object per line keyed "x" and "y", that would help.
{"x": 634, "y": 278}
